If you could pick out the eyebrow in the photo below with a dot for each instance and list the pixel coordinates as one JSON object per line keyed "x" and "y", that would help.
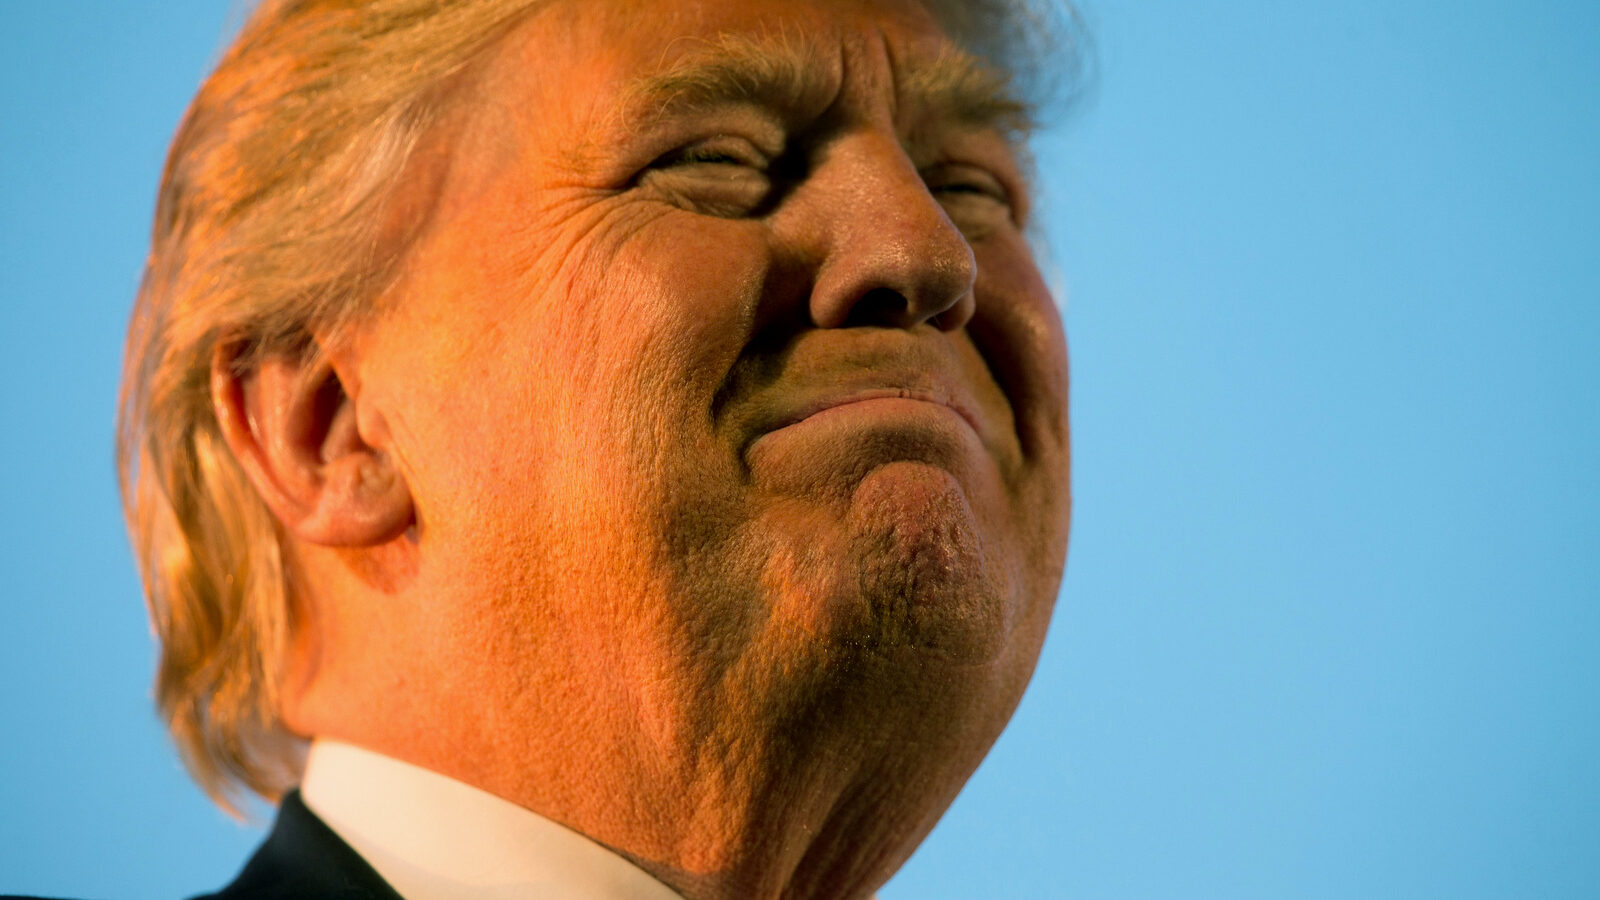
{"x": 729, "y": 69}
{"x": 961, "y": 87}
{"x": 783, "y": 70}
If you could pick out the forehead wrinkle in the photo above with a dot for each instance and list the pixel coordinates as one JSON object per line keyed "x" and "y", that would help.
{"x": 780, "y": 69}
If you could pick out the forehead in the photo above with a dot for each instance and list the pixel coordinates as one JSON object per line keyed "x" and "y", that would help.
{"x": 641, "y": 60}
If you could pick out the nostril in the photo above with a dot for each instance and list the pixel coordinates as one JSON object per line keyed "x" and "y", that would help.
{"x": 956, "y": 317}
{"x": 882, "y": 307}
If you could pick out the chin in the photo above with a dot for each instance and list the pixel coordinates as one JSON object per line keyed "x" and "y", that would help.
{"x": 926, "y": 578}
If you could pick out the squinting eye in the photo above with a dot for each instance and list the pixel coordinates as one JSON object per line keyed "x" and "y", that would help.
{"x": 711, "y": 157}
{"x": 976, "y": 201}
{"x": 965, "y": 181}
{"x": 968, "y": 187}
{"x": 726, "y": 177}
{"x": 725, "y": 153}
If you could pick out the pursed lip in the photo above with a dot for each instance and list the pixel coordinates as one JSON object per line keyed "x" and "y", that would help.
{"x": 936, "y": 394}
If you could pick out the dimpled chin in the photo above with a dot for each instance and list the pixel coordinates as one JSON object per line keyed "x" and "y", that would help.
{"x": 921, "y": 565}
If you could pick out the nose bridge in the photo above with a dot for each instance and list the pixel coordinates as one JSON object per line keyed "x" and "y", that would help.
{"x": 893, "y": 257}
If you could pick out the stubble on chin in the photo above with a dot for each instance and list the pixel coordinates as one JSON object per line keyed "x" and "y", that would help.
{"x": 929, "y": 580}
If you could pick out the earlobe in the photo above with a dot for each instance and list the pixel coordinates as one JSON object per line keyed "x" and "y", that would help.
{"x": 320, "y": 462}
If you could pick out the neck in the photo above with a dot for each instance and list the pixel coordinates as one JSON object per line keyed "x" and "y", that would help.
{"x": 823, "y": 801}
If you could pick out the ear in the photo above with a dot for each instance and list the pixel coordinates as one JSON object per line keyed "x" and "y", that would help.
{"x": 320, "y": 461}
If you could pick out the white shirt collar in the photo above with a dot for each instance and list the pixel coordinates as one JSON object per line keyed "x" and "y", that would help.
{"x": 434, "y": 838}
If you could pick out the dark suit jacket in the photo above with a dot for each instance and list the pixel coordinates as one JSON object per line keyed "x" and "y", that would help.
{"x": 303, "y": 859}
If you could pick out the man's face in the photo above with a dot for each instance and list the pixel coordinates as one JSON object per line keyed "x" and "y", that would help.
{"x": 723, "y": 378}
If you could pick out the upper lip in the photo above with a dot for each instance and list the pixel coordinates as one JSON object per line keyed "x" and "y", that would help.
{"x": 930, "y": 394}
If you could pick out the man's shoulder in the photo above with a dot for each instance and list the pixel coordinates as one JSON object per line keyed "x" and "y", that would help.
{"x": 302, "y": 859}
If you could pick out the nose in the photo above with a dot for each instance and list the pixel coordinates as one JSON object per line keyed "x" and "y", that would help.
{"x": 893, "y": 257}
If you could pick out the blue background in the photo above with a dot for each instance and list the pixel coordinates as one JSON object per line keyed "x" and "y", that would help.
{"x": 1330, "y": 621}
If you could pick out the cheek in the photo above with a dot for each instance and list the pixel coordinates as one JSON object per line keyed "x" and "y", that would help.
{"x": 685, "y": 291}
{"x": 645, "y": 325}
{"x": 1022, "y": 336}
{"x": 600, "y": 360}
{"x": 1019, "y": 332}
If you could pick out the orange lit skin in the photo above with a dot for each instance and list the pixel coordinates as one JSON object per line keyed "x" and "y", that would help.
{"x": 730, "y": 530}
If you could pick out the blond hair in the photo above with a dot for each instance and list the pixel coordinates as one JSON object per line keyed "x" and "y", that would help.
{"x": 274, "y": 222}
{"x": 269, "y": 226}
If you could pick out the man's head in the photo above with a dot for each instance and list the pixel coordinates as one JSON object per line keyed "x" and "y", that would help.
{"x": 648, "y": 412}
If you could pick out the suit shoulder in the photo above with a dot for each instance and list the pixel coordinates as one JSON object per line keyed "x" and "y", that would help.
{"x": 304, "y": 859}
{"x": 301, "y": 859}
